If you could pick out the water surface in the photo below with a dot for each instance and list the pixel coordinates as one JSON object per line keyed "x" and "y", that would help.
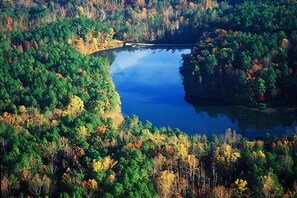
{"x": 150, "y": 86}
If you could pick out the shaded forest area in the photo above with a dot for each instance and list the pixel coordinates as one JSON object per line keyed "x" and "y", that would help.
{"x": 62, "y": 134}
{"x": 248, "y": 56}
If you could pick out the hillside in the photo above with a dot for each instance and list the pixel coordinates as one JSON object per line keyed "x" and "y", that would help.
{"x": 61, "y": 130}
{"x": 247, "y": 56}
{"x": 170, "y": 21}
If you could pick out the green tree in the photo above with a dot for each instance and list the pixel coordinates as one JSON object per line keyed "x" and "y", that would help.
{"x": 209, "y": 64}
{"x": 270, "y": 78}
{"x": 260, "y": 87}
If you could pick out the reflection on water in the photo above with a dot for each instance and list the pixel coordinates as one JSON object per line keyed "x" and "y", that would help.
{"x": 150, "y": 86}
{"x": 147, "y": 67}
{"x": 255, "y": 122}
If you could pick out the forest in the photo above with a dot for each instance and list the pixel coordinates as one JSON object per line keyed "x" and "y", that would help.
{"x": 248, "y": 56}
{"x": 63, "y": 135}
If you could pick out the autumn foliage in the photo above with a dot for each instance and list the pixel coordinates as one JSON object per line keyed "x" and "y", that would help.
{"x": 61, "y": 130}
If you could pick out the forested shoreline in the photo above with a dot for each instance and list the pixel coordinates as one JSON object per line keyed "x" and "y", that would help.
{"x": 62, "y": 132}
{"x": 247, "y": 57}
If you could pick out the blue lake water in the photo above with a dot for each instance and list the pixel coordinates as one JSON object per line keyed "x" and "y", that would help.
{"x": 150, "y": 86}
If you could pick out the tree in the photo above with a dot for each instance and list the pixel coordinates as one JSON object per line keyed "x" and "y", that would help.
{"x": 221, "y": 192}
{"x": 75, "y": 106}
{"x": 22, "y": 109}
{"x": 226, "y": 157}
{"x": 270, "y": 187}
{"x": 39, "y": 183}
{"x": 260, "y": 88}
{"x": 182, "y": 151}
{"x": 240, "y": 188}
{"x": 270, "y": 78}
{"x": 165, "y": 183}
{"x": 209, "y": 64}
{"x": 193, "y": 164}
{"x": 245, "y": 61}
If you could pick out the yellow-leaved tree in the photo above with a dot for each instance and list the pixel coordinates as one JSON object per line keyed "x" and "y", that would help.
{"x": 192, "y": 163}
{"x": 270, "y": 187}
{"x": 240, "y": 188}
{"x": 165, "y": 183}
{"x": 181, "y": 151}
{"x": 80, "y": 10}
{"x": 75, "y": 106}
{"x": 225, "y": 158}
{"x": 97, "y": 165}
{"x": 22, "y": 109}
{"x": 226, "y": 155}
{"x": 106, "y": 164}
{"x": 83, "y": 132}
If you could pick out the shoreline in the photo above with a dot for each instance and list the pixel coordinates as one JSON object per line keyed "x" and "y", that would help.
{"x": 137, "y": 44}
{"x": 121, "y": 44}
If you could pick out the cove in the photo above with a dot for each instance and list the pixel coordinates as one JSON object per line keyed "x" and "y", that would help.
{"x": 150, "y": 86}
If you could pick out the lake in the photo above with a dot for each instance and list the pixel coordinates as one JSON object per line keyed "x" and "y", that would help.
{"x": 150, "y": 86}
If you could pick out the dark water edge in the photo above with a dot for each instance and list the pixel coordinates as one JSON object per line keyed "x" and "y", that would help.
{"x": 251, "y": 122}
{"x": 150, "y": 86}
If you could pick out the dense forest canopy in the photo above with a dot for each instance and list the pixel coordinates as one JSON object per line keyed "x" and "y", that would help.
{"x": 248, "y": 56}
{"x": 61, "y": 130}
{"x": 152, "y": 20}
